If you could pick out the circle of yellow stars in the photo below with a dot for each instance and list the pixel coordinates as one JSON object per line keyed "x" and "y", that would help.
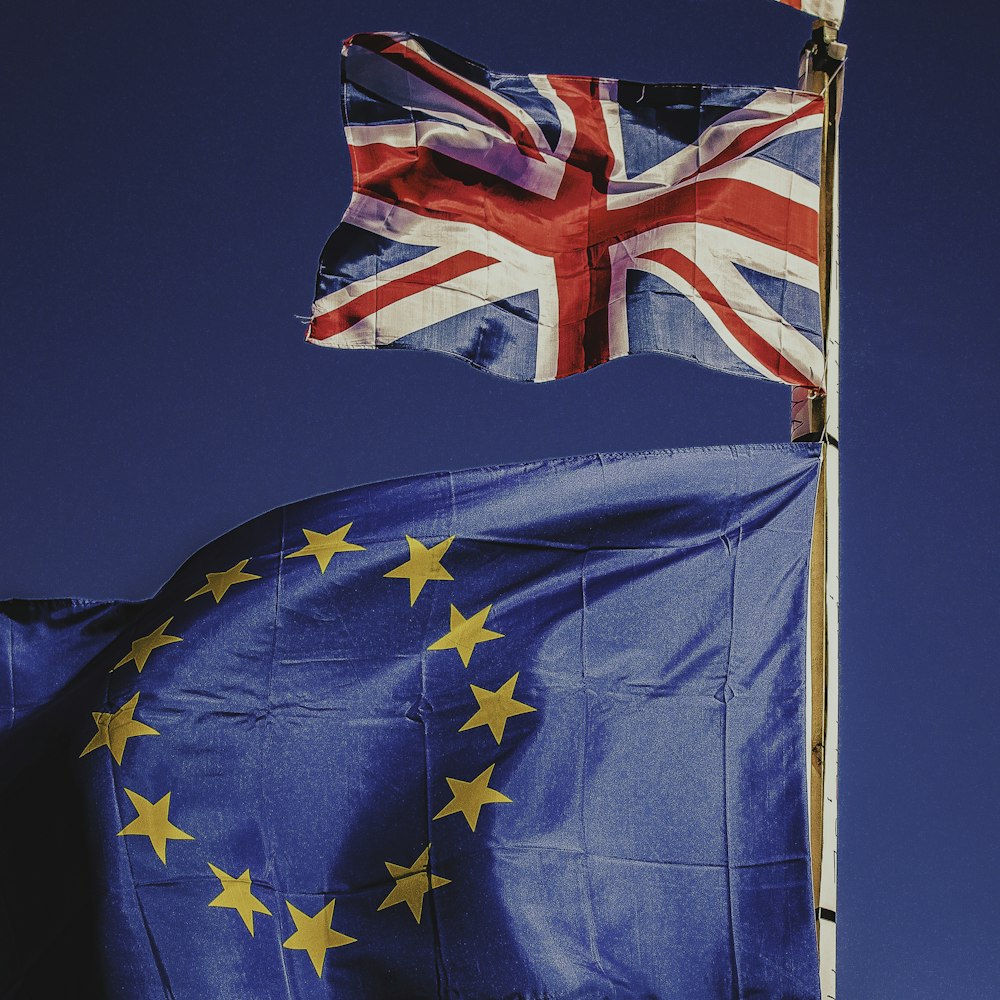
{"x": 314, "y": 933}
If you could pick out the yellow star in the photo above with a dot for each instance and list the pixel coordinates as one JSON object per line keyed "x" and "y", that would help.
{"x": 219, "y": 583}
{"x": 115, "y": 729}
{"x": 314, "y": 935}
{"x": 325, "y": 547}
{"x": 141, "y": 648}
{"x": 236, "y": 895}
{"x": 412, "y": 884}
{"x": 466, "y": 633}
{"x": 496, "y": 707}
{"x": 470, "y": 796}
{"x": 153, "y": 822}
{"x": 424, "y": 564}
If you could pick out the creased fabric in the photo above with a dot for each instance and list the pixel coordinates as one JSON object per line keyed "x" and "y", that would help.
{"x": 532, "y": 730}
{"x": 538, "y": 225}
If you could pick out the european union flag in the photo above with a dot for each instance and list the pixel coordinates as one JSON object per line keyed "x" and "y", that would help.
{"x": 530, "y": 731}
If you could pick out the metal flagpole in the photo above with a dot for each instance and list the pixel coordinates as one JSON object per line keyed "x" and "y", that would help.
{"x": 816, "y": 418}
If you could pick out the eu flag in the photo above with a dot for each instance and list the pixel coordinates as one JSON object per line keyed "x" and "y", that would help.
{"x": 530, "y": 731}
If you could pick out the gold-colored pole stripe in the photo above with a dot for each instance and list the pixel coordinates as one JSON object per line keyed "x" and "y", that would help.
{"x": 817, "y": 661}
{"x": 815, "y": 417}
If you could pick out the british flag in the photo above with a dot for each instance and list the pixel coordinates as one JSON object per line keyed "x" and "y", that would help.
{"x": 538, "y": 225}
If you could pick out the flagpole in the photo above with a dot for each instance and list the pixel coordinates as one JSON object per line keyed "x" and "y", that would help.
{"x": 816, "y": 417}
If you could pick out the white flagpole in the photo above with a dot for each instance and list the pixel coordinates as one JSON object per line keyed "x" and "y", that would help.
{"x": 817, "y": 418}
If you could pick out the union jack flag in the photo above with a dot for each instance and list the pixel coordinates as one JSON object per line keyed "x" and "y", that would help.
{"x": 538, "y": 226}
{"x": 828, "y": 10}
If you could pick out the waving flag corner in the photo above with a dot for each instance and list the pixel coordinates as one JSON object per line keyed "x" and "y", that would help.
{"x": 826, "y": 10}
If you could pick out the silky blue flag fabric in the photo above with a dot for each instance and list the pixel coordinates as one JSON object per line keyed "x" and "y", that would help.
{"x": 529, "y": 731}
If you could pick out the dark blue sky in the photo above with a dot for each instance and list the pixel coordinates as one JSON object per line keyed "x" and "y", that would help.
{"x": 170, "y": 175}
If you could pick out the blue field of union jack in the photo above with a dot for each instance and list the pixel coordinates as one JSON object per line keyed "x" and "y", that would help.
{"x": 539, "y": 225}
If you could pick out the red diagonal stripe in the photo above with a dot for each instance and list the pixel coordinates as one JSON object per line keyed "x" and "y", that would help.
{"x": 744, "y": 208}
{"x": 752, "y": 136}
{"x": 353, "y": 311}
{"x": 776, "y": 363}
{"x": 455, "y": 86}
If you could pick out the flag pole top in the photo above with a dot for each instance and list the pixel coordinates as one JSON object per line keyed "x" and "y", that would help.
{"x": 826, "y": 51}
{"x": 820, "y": 64}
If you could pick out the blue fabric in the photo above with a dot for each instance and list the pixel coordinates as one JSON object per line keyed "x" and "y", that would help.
{"x": 661, "y": 119}
{"x": 654, "y": 305}
{"x": 352, "y": 253}
{"x": 498, "y": 337}
{"x": 796, "y": 303}
{"x": 652, "y": 608}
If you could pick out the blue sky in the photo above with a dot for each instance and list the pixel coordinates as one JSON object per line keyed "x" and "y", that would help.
{"x": 171, "y": 175}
